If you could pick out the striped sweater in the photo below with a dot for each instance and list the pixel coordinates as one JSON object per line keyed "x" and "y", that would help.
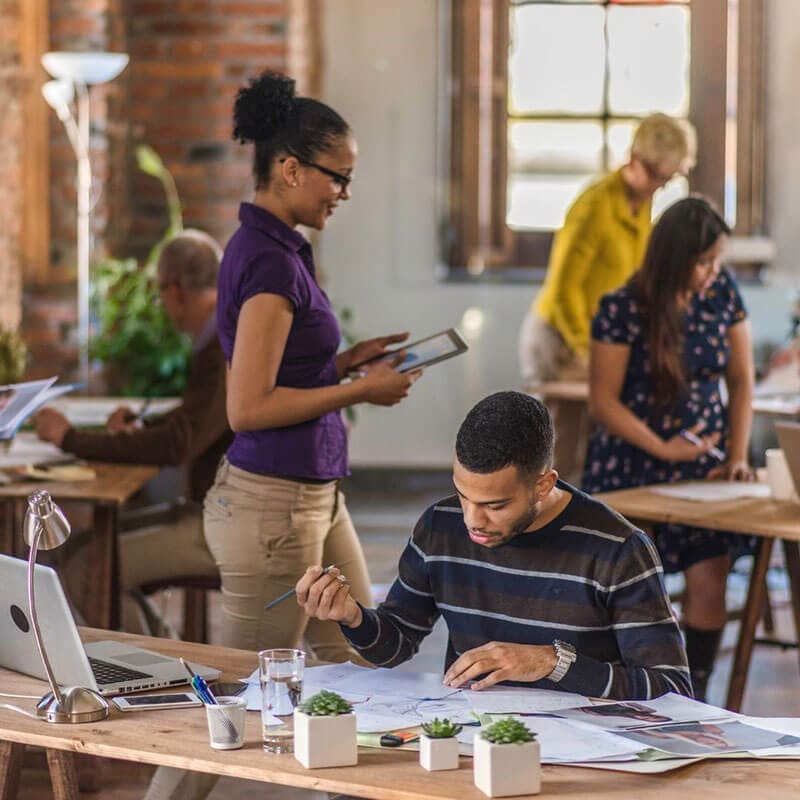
{"x": 589, "y": 577}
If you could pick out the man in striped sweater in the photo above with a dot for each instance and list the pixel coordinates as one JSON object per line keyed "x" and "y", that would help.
{"x": 539, "y": 584}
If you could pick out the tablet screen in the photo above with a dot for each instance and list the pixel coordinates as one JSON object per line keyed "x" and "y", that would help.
{"x": 429, "y": 351}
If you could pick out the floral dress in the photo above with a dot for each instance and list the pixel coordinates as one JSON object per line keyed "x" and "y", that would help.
{"x": 613, "y": 463}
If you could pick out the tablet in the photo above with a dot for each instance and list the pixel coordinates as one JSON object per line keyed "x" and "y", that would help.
{"x": 425, "y": 352}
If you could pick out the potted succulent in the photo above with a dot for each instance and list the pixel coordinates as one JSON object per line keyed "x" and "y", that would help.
{"x": 506, "y": 760}
{"x": 438, "y": 746}
{"x": 325, "y": 732}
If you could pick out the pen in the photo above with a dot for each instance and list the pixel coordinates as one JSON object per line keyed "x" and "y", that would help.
{"x": 281, "y": 597}
{"x": 142, "y": 411}
{"x": 200, "y": 686}
{"x": 696, "y": 440}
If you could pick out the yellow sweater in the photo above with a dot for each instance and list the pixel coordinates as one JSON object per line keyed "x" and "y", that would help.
{"x": 600, "y": 246}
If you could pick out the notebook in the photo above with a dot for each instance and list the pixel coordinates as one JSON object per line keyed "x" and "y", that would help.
{"x": 107, "y": 667}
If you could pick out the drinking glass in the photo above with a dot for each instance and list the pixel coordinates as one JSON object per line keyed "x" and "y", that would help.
{"x": 281, "y": 676}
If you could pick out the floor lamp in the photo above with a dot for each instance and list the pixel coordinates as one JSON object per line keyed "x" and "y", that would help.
{"x": 74, "y": 73}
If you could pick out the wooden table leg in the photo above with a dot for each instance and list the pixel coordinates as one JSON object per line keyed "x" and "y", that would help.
{"x": 751, "y": 614}
{"x": 11, "y": 755}
{"x": 791, "y": 554}
{"x": 63, "y": 776}
{"x": 104, "y": 568}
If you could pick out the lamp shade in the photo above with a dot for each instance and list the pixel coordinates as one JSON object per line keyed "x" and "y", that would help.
{"x": 88, "y": 68}
{"x": 58, "y": 95}
{"x": 45, "y": 517}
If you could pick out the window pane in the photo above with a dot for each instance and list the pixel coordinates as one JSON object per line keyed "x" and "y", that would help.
{"x": 540, "y": 202}
{"x": 563, "y": 147}
{"x": 648, "y": 60}
{"x": 620, "y": 136}
{"x": 557, "y": 59}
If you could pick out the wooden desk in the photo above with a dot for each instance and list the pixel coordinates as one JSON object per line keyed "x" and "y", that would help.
{"x": 179, "y": 738}
{"x": 783, "y": 406}
{"x": 107, "y": 493}
{"x": 766, "y": 518}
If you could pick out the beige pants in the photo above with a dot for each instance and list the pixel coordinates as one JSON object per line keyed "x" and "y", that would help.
{"x": 264, "y": 532}
{"x": 543, "y": 357}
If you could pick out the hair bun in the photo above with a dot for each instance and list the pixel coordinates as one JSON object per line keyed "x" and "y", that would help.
{"x": 262, "y": 107}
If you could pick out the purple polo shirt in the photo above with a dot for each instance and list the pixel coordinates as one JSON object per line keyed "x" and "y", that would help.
{"x": 267, "y": 256}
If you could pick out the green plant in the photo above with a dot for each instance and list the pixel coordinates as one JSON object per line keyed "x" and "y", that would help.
{"x": 325, "y": 704}
{"x": 508, "y": 731}
{"x": 441, "y": 728}
{"x": 13, "y": 353}
{"x": 145, "y": 355}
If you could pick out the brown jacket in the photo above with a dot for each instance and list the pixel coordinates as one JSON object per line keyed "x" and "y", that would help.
{"x": 195, "y": 433}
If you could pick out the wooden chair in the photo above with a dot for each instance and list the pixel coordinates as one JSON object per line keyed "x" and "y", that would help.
{"x": 195, "y": 602}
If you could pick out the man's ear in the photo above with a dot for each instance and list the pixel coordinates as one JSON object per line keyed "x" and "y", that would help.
{"x": 545, "y": 485}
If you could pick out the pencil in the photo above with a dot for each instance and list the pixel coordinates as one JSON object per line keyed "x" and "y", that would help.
{"x": 281, "y": 597}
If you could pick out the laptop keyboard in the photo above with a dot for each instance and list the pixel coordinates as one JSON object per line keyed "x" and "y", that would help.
{"x": 104, "y": 672}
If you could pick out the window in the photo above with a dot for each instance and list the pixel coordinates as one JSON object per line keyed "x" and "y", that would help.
{"x": 546, "y": 95}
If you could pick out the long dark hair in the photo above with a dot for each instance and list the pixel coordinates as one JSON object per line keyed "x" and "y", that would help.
{"x": 684, "y": 231}
{"x": 268, "y": 113}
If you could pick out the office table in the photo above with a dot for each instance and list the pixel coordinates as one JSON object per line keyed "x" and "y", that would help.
{"x": 768, "y": 519}
{"x": 179, "y": 738}
{"x": 114, "y": 485}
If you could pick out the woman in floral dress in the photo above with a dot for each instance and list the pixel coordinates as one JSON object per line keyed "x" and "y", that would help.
{"x": 661, "y": 345}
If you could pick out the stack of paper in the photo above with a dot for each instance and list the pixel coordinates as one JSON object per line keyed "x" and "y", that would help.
{"x": 639, "y": 736}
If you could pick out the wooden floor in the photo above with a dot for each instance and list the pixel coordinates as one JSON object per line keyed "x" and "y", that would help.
{"x": 384, "y": 519}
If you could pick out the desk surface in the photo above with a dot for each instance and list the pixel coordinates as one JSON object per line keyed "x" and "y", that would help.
{"x": 777, "y": 519}
{"x": 114, "y": 485}
{"x": 179, "y": 738}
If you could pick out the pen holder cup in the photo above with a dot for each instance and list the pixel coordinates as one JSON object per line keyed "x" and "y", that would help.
{"x": 226, "y": 723}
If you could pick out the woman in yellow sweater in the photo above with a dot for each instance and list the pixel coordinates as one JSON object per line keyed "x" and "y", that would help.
{"x": 599, "y": 247}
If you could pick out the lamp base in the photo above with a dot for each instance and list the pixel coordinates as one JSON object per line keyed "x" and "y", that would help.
{"x": 79, "y": 705}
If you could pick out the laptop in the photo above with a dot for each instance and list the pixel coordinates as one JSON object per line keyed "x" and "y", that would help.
{"x": 109, "y": 668}
{"x": 789, "y": 440}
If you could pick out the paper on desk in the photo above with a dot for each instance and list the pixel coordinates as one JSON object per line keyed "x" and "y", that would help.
{"x": 350, "y": 679}
{"x": 564, "y": 742}
{"x": 27, "y": 449}
{"x": 785, "y": 725}
{"x": 710, "y": 491}
{"x": 633, "y": 714}
{"x": 392, "y": 713}
{"x": 518, "y": 700}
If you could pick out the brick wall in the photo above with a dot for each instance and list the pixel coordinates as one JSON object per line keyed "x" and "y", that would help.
{"x": 188, "y": 58}
{"x": 11, "y": 86}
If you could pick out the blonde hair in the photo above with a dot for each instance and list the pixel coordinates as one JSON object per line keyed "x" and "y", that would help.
{"x": 661, "y": 138}
{"x": 190, "y": 259}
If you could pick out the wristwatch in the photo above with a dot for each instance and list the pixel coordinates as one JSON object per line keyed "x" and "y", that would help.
{"x": 565, "y": 655}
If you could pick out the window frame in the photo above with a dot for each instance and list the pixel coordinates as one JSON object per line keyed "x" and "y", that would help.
{"x": 477, "y": 243}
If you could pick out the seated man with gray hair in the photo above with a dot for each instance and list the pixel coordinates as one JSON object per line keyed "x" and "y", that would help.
{"x": 195, "y": 434}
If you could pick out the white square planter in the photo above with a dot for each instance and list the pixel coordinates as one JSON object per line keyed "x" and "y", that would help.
{"x": 436, "y": 754}
{"x": 505, "y": 770}
{"x": 325, "y": 741}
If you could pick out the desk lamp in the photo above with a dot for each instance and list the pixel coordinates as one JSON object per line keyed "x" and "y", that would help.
{"x": 74, "y": 73}
{"x": 44, "y": 528}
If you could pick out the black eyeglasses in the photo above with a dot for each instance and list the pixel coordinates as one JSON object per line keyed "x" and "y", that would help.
{"x": 337, "y": 177}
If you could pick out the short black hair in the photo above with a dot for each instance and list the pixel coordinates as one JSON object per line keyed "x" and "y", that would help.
{"x": 506, "y": 428}
{"x": 269, "y": 114}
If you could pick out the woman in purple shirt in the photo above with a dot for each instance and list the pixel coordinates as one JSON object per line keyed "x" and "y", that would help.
{"x": 275, "y": 507}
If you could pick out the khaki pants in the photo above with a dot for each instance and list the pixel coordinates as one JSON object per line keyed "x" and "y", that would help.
{"x": 543, "y": 357}
{"x": 264, "y": 532}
